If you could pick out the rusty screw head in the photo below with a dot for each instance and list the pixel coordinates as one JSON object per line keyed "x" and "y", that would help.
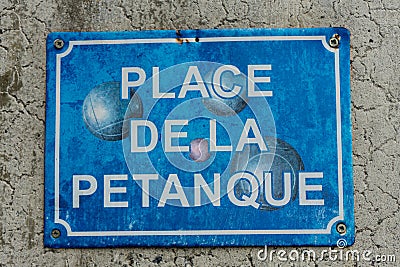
{"x": 334, "y": 41}
{"x": 58, "y": 43}
{"x": 341, "y": 228}
{"x": 55, "y": 233}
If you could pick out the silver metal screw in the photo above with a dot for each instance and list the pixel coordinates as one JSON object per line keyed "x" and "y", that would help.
{"x": 55, "y": 233}
{"x": 341, "y": 228}
{"x": 334, "y": 42}
{"x": 58, "y": 43}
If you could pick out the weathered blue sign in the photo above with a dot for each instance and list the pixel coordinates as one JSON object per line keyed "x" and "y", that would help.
{"x": 198, "y": 138}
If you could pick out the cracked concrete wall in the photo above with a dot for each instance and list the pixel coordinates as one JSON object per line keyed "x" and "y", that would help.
{"x": 375, "y": 57}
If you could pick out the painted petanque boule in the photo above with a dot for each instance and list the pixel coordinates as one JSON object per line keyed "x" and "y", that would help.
{"x": 104, "y": 111}
{"x": 226, "y": 106}
{"x": 281, "y": 158}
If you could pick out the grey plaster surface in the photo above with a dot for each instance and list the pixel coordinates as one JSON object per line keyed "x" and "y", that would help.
{"x": 375, "y": 81}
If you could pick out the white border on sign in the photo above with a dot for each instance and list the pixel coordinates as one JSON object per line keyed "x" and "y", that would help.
{"x": 327, "y": 230}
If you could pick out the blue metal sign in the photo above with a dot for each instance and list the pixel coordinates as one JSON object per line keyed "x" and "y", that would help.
{"x": 198, "y": 138}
